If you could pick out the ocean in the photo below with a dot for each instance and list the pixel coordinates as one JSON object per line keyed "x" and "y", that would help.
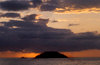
{"x": 52, "y": 61}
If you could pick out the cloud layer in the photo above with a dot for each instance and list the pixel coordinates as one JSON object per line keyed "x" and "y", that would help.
{"x": 52, "y": 5}
{"x": 12, "y": 15}
{"x": 32, "y": 36}
{"x": 14, "y": 5}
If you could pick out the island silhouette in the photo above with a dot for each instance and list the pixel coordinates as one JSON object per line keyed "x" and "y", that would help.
{"x": 23, "y": 57}
{"x": 51, "y": 54}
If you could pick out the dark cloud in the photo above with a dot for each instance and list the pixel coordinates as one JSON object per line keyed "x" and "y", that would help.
{"x": 37, "y": 37}
{"x": 73, "y": 24}
{"x": 14, "y": 5}
{"x": 36, "y": 3}
{"x": 12, "y": 15}
{"x": 17, "y": 5}
{"x": 47, "y": 7}
{"x": 83, "y": 3}
{"x": 30, "y": 17}
{"x": 50, "y": 5}
{"x": 70, "y": 5}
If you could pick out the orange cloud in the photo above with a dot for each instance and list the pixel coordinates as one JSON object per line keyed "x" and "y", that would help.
{"x": 76, "y": 11}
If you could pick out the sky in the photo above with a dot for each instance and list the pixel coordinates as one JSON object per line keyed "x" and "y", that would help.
{"x": 29, "y": 27}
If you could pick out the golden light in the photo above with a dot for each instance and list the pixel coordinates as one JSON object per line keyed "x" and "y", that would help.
{"x": 84, "y": 53}
{"x": 14, "y": 27}
{"x": 10, "y": 54}
{"x": 37, "y": 17}
{"x": 30, "y": 3}
{"x": 1, "y": 24}
{"x": 68, "y": 10}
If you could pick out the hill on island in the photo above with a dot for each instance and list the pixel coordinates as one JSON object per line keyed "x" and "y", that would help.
{"x": 51, "y": 54}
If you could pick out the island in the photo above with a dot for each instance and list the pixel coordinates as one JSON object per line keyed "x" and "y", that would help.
{"x": 23, "y": 58}
{"x": 51, "y": 54}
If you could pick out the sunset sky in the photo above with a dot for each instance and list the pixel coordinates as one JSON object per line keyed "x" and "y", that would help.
{"x": 29, "y": 27}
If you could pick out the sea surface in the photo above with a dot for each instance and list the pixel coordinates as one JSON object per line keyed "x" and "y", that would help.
{"x": 52, "y": 61}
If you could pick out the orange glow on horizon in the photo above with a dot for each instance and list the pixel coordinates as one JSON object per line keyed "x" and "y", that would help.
{"x": 85, "y": 53}
{"x": 9, "y": 54}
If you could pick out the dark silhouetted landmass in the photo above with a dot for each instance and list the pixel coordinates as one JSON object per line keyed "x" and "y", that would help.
{"x": 51, "y": 54}
{"x": 23, "y": 58}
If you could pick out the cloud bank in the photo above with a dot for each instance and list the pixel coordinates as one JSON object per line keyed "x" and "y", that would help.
{"x": 31, "y": 36}
{"x": 14, "y": 5}
{"x": 12, "y": 15}
{"x": 52, "y": 5}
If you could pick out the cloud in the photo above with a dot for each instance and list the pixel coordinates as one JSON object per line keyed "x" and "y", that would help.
{"x": 11, "y": 15}
{"x": 30, "y": 17}
{"x": 71, "y": 5}
{"x": 47, "y": 7}
{"x": 14, "y": 5}
{"x": 37, "y": 37}
{"x": 79, "y": 4}
{"x": 36, "y": 3}
{"x": 17, "y": 5}
{"x": 52, "y": 5}
{"x": 73, "y": 24}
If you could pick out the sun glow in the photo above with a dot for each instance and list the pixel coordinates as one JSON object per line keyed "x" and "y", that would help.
{"x": 68, "y": 10}
{"x": 10, "y": 54}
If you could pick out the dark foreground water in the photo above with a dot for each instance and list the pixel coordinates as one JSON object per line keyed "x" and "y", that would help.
{"x": 59, "y": 61}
